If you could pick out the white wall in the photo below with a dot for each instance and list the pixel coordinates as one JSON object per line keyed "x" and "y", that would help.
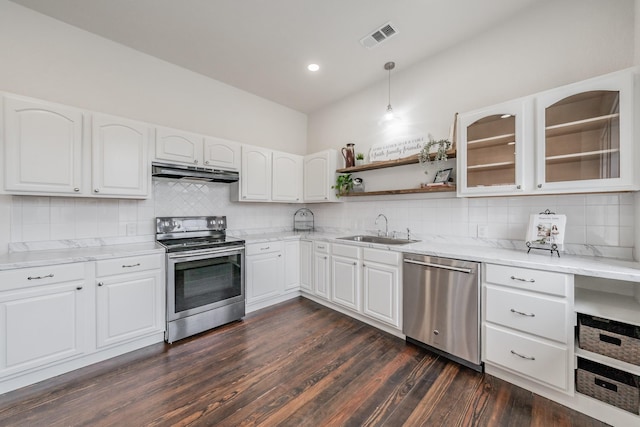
{"x": 47, "y": 59}
{"x": 552, "y": 44}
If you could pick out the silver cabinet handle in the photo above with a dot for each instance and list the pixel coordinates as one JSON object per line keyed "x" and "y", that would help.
{"x": 523, "y": 357}
{"x": 96, "y": 190}
{"x": 320, "y": 247}
{"x": 279, "y": 255}
{"x": 130, "y": 266}
{"x": 523, "y": 280}
{"x": 206, "y": 162}
{"x": 39, "y": 277}
{"x": 523, "y": 314}
{"x": 355, "y": 263}
{"x": 195, "y": 162}
{"x": 79, "y": 288}
{"x": 100, "y": 283}
{"x": 518, "y": 187}
{"x": 539, "y": 185}
{"x": 76, "y": 189}
{"x": 265, "y": 248}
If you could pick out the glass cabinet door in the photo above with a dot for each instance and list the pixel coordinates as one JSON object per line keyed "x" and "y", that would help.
{"x": 490, "y": 155}
{"x": 584, "y": 134}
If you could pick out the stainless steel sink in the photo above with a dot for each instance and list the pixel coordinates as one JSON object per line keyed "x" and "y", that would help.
{"x": 377, "y": 239}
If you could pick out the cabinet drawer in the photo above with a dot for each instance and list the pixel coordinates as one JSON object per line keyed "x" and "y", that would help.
{"x": 37, "y": 276}
{"x": 527, "y": 356}
{"x": 537, "y": 315}
{"x": 345, "y": 251}
{"x": 527, "y": 279}
{"x": 132, "y": 264}
{"x": 263, "y": 248}
{"x": 322, "y": 247}
{"x": 382, "y": 257}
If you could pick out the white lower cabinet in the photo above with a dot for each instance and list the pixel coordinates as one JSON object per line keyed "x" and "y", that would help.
{"x": 345, "y": 276}
{"x": 291, "y": 249}
{"x": 381, "y": 286}
{"x": 44, "y": 317}
{"x": 264, "y": 273}
{"x": 321, "y": 269}
{"x": 527, "y": 326}
{"x": 54, "y": 319}
{"x": 306, "y": 265}
{"x": 129, "y": 299}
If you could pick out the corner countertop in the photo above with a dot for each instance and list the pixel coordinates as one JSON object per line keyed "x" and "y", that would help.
{"x": 608, "y": 268}
{"x": 25, "y": 259}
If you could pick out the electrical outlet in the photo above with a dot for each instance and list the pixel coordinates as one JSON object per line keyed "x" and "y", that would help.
{"x": 483, "y": 231}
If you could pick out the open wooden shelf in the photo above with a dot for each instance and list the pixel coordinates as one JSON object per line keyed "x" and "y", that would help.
{"x": 434, "y": 189}
{"x": 451, "y": 154}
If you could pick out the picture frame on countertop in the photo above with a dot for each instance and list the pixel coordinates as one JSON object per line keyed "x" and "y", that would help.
{"x": 443, "y": 176}
{"x": 546, "y": 231}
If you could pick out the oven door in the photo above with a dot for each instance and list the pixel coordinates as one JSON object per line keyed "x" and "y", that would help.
{"x": 204, "y": 281}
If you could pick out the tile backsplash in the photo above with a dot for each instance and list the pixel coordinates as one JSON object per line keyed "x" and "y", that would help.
{"x": 599, "y": 220}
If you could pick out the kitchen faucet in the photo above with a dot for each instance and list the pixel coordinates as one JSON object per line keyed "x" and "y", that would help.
{"x": 386, "y": 225}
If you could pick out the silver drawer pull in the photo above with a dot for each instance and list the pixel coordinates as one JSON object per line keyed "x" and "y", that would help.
{"x": 524, "y": 357}
{"x": 523, "y": 314}
{"x": 130, "y": 266}
{"x": 39, "y": 277}
{"x": 265, "y": 248}
{"x": 523, "y": 280}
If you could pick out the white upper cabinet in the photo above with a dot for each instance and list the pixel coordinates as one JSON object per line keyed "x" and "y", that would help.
{"x": 43, "y": 147}
{"x": 491, "y": 149}
{"x": 178, "y": 146}
{"x": 221, "y": 154}
{"x": 319, "y": 176}
{"x": 286, "y": 177}
{"x": 255, "y": 180}
{"x": 576, "y": 138}
{"x": 585, "y": 136}
{"x": 119, "y": 157}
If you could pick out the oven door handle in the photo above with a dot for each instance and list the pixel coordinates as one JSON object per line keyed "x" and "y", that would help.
{"x": 225, "y": 251}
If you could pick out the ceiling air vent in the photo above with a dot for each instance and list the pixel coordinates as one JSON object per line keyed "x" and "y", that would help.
{"x": 378, "y": 36}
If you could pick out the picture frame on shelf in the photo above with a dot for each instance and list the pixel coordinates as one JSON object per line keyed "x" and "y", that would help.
{"x": 442, "y": 176}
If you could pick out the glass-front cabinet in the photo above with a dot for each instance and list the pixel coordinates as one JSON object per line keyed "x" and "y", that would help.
{"x": 576, "y": 138}
{"x": 490, "y": 149}
{"x": 584, "y": 136}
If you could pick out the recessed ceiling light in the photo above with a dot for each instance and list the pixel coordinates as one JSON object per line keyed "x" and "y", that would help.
{"x": 313, "y": 67}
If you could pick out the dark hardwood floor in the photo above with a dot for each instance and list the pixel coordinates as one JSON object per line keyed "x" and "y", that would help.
{"x": 294, "y": 364}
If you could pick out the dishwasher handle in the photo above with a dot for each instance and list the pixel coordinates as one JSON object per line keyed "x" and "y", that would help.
{"x": 444, "y": 267}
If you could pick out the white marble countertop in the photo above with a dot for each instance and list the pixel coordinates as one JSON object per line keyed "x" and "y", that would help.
{"x": 26, "y": 259}
{"x": 582, "y": 265}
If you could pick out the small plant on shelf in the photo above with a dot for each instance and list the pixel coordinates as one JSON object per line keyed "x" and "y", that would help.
{"x": 359, "y": 159}
{"x": 344, "y": 184}
{"x": 439, "y": 156}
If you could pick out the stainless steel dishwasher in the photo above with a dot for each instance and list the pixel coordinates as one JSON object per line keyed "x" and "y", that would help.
{"x": 441, "y": 306}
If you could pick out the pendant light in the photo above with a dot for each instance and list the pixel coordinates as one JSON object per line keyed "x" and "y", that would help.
{"x": 389, "y": 114}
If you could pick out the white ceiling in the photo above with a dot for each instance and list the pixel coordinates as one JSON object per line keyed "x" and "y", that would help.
{"x": 264, "y": 46}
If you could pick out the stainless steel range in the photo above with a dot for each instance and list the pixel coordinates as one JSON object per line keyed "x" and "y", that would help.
{"x": 205, "y": 274}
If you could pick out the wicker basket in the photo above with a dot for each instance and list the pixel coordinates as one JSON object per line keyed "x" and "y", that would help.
{"x": 614, "y": 339}
{"x": 609, "y": 385}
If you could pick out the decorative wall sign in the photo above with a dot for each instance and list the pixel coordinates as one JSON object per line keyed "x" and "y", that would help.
{"x": 398, "y": 148}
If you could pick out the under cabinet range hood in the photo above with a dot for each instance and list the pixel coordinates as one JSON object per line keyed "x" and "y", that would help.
{"x": 192, "y": 173}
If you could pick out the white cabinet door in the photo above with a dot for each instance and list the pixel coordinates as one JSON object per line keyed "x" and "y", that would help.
{"x": 129, "y": 306}
{"x": 585, "y": 136}
{"x": 306, "y": 265}
{"x": 119, "y": 157}
{"x": 43, "y": 147}
{"x": 319, "y": 176}
{"x": 286, "y": 177}
{"x": 221, "y": 154}
{"x": 255, "y": 180}
{"x": 177, "y": 146}
{"x": 321, "y": 274}
{"x": 291, "y": 265}
{"x": 381, "y": 289}
{"x": 345, "y": 282}
{"x": 491, "y": 156}
{"x": 42, "y": 325}
{"x": 264, "y": 276}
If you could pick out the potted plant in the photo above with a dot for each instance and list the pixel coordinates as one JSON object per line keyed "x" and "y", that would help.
{"x": 359, "y": 159}
{"x": 439, "y": 156}
{"x": 344, "y": 184}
